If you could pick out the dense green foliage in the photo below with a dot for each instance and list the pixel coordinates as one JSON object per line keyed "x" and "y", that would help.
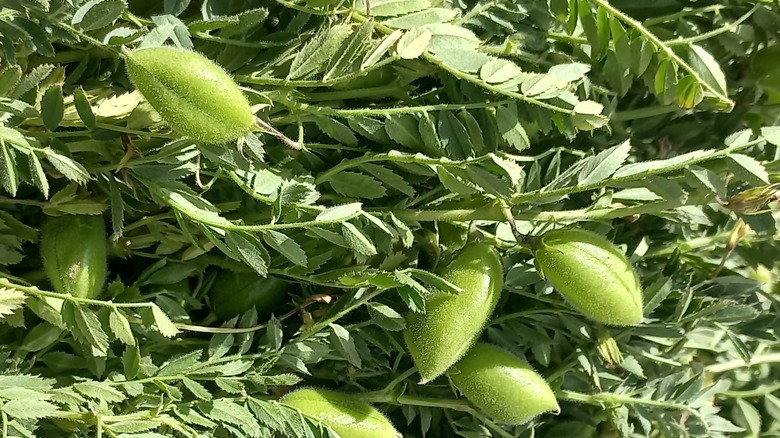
{"x": 388, "y": 136}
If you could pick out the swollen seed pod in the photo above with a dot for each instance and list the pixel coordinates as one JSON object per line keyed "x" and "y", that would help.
{"x": 592, "y": 274}
{"x": 347, "y": 416}
{"x": 192, "y": 93}
{"x": 452, "y": 323}
{"x": 73, "y": 248}
{"x": 502, "y": 386}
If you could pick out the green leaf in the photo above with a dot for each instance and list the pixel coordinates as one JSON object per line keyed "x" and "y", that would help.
{"x": 385, "y": 317}
{"x": 9, "y": 176}
{"x": 336, "y": 130}
{"x": 414, "y": 43}
{"x": 351, "y": 49}
{"x": 510, "y": 127}
{"x": 748, "y": 169}
{"x": 403, "y": 130}
{"x": 499, "y": 70}
{"x": 357, "y": 185}
{"x": 97, "y": 14}
{"x": 197, "y": 389}
{"x": 100, "y": 391}
{"x": 85, "y": 327}
{"x": 357, "y": 240}
{"x": 10, "y": 301}
{"x": 84, "y": 109}
{"x": 708, "y": 68}
{"x": 422, "y": 18}
{"x": 389, "y": 178}
{"x": 52, "y": 107}
{"x": 286, "y": 246}
{"x": 67, "y": 166}
{"x": 162, "y": 323}
{"x": 603, "y": 165}
{"x": 340, "y": 212}
{"x": 384, "y": 8}
{"x": 185, "y": 201}
{"x": 317, "y": 52}
{"x": 454, "y": 137}
{"x": 251, "y": 250}
{"x": 120, "y": 326}
{"x": 225, "y": 411}
{"x": 181, "y": 364}
{"x": 434, "y": 281}
{"x": 28, "y": 409}
{"x": 345, "y": 344}
{"x": 747, "y": 416}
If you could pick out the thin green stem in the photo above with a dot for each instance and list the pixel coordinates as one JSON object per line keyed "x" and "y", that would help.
{"x": 740, "y": 363}
{"x": 707, "y": 242}
{"x": 713, "y": 33}
{"x": 260, "y": 80}
{"x": 676, "y": 166}
{"x": 368, "y": 295}
{"x": 32, "y": 290}
{"x": 368, "y": 112}
{"x": 606, "y": 398}
{"x": 492, "y": 212}
{"x": 396, "y": 157}
{"x": 758, "y": 392}
{"x": 238, "y": 43}
{"x": 681, "y": 14}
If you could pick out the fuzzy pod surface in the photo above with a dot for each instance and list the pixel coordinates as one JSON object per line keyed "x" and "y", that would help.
{"x": 452, "y": 322}
{"x": 195, "y": 96}
{"x": 234, "y": 293}
{"x": 347, "y": 416}
{"x": 73, "y": 248}
{"x": 503, "y": 386}
{"x": 592, "y": 274}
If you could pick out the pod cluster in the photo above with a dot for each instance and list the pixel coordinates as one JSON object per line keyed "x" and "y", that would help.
{"x": 443, "y": 340}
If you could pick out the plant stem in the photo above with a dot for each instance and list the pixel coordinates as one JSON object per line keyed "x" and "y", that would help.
{"x": 607, "y": 398}
{"x": 675, "y": 166}
{"x": 758, "y": 392}
{"x": 368, "y": 112}
{"x": 727, "y": 28}
{"x": 740, "y": 363}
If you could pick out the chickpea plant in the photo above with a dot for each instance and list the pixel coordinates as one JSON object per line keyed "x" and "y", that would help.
{"x": 417, "y": 218}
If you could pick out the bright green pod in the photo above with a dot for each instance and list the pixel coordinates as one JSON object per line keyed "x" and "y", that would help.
{"x": 503, "y": 386}
{"x": 234, "y": 293}
{"x": 592, "y": 274}
{"x": 192, "y": 94}
{"x": 73, "y": 248}
{"x": 453, "y": 322}
{"x": 347, "y": 416}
